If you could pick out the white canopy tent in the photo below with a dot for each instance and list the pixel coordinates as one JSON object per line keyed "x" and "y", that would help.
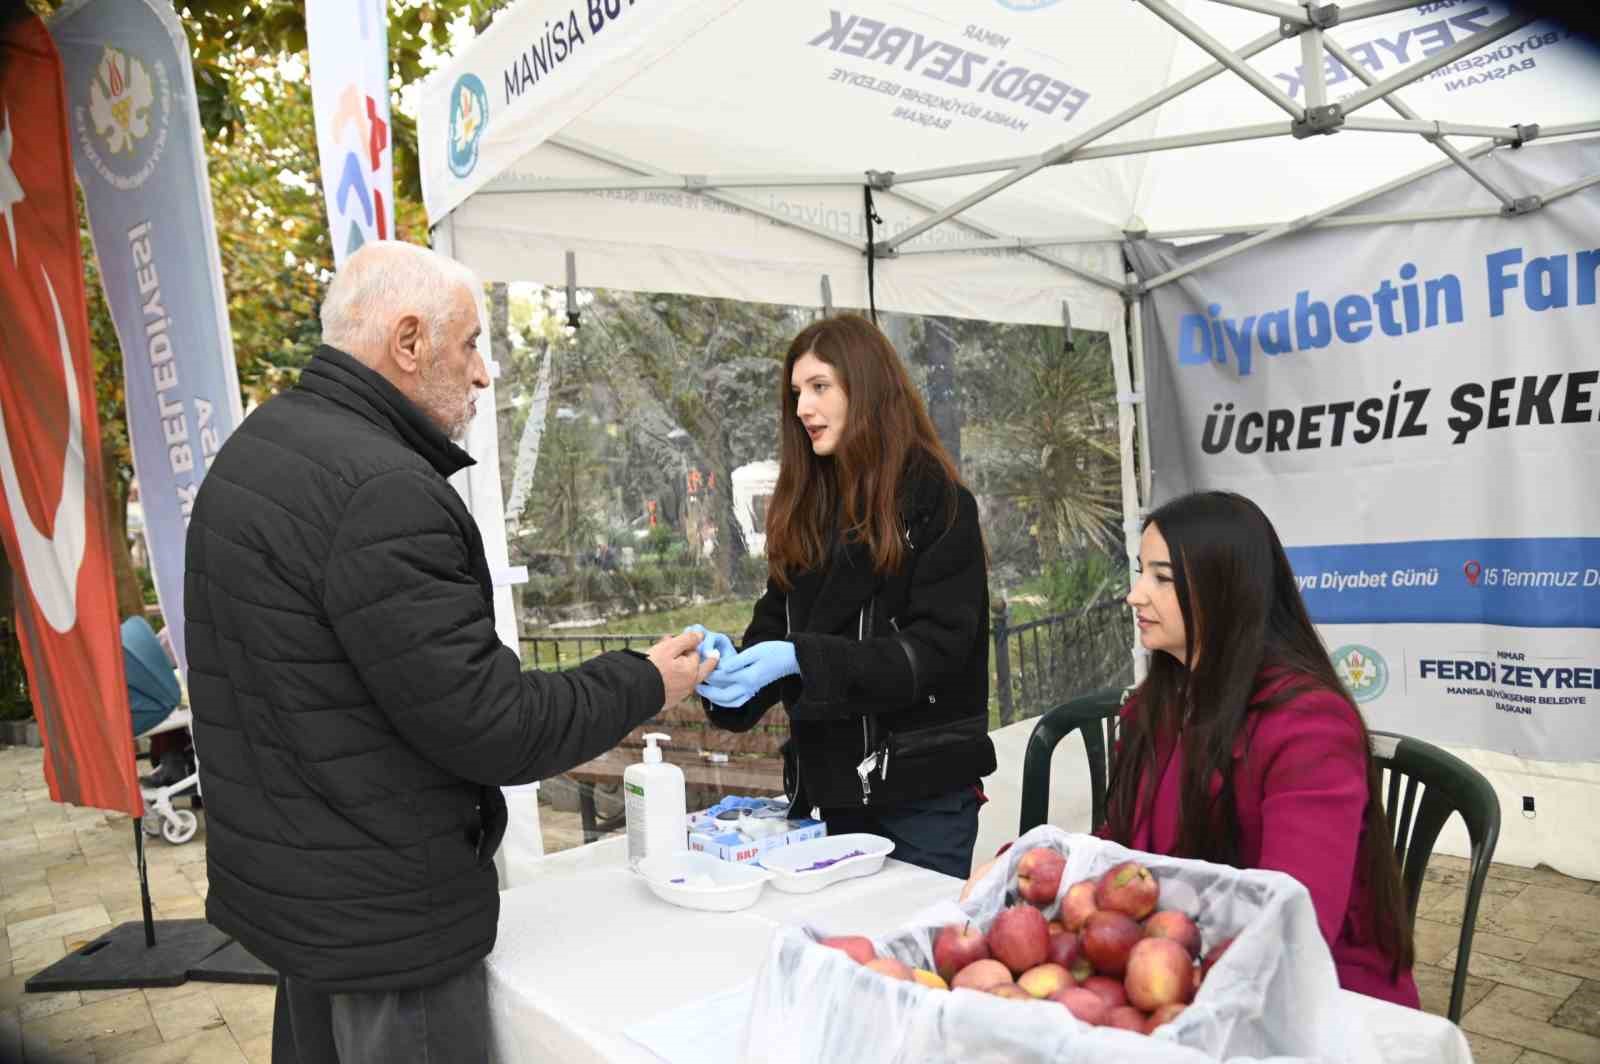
{"x": 1006, "y": 148}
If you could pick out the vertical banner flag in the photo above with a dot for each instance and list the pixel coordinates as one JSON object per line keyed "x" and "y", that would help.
{"x": 1414, "y": 405}
{"x": 54, "y": 496}
{"x": 349, "y": 47}
{"x": 140, "y": 154}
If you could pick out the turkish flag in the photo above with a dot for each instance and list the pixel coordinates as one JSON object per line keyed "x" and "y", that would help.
{"x": 53, "y": 504}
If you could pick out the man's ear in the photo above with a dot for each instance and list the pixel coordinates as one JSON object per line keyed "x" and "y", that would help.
{"x": 405, "y": 343}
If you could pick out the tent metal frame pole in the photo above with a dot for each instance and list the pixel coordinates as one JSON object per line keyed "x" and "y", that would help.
{"x": 1566, "y": 190}
{"x": 1569, "y": 129}
{"x": 1425, "y": 128}
{"x": 705, "y": 183}
{"x": 1313, "y": 72}
{"x": 1356, "y": 12}
{"x": 1356, "y": 101}
{"x": 1116, "y": 121}
{"x": 1303, "y": 222}
{"x": 1015, "y": 242}
{"x": 624, "y": 163}
{"x": 1335, "y": 49}
{"x": 1142, "y": 411}
{"x": 1220, "y": 52}
{"x": 1061, "y": 153}
{"x": 1286, "y": 12}
{"x": 1128, "y": 479}
{"x": 667, "y": 182}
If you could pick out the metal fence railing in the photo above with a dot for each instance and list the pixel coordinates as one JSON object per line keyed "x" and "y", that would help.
{"x": 1047, "y": 661}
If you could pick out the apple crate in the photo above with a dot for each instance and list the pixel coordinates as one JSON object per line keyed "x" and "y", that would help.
{"x": 1273, "y": 994}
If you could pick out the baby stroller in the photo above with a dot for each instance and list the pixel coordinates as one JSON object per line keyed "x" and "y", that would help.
{"x": 154, "y": 695}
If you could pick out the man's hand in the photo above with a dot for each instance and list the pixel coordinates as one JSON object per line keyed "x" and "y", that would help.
{"x": 677, "y": 658}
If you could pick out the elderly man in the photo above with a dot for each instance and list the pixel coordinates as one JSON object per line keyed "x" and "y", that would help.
{"x": 353, "y": 706}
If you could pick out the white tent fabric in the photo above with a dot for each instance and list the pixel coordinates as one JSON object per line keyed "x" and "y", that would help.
{"x": 673, "y": 115}
{"x": 723, "y": 148}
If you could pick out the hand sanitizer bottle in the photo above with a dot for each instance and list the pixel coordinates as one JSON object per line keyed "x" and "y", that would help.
{"x": 653, "y": 799}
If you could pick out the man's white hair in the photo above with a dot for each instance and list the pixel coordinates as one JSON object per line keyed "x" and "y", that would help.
{"x": 382, "y": 280}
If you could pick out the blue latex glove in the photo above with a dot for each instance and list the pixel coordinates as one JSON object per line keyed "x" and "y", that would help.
{"x": 713, "y": 641}
{"x": 735, "y": 681}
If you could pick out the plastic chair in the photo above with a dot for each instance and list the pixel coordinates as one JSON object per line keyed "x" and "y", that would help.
{"x": 1449, "y": 785}
{"x": 1095, "y": 715}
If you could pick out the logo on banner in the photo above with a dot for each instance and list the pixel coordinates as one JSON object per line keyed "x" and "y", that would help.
{"x": 1362, "y": 670}
{"x": 469, "y": 113}
{"x": 130, "y": 109}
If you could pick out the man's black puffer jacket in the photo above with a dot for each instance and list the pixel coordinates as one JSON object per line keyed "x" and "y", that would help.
{"x": 354, "y": 710}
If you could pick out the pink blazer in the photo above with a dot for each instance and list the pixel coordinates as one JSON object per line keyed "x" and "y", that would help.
{"x": 1301, "y": 791}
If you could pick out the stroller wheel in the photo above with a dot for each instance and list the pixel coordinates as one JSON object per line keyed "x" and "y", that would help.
{"x": 151, "y": 823}
{"x": 180, "y": 827}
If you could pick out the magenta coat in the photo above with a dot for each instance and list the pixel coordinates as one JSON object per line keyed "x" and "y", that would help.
{"x": 1301, "y": 790}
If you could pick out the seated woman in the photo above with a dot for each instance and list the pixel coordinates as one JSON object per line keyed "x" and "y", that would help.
{"x": 1242, "y": 747}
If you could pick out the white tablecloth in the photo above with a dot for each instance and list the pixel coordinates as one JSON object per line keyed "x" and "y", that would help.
{"x": 586, "y": 952}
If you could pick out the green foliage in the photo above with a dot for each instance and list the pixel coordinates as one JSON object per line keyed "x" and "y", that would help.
{"x": 661, "y": 541}
{"x": 15, "y": 703}
{"x": 1045, "y": 430}
{"x": 1083, "y": 580}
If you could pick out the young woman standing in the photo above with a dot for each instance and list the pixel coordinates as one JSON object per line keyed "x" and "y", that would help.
{"x": 873, "y": 631}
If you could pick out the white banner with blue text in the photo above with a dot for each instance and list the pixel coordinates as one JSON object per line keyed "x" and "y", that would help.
{"x": 1417, "y": 409}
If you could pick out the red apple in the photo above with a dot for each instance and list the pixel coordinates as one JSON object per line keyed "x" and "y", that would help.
{"x": 1108, "y": 938}
{"x": 1056, "y": 927}
{"x": 957, "y": 946}
{"x": 1159, "y": 973}
{"x": 981, "y": 975}
{"x": 1039, "y": 875}
{"x": 1109, "y": 989}
{"x": 1066, "y": 949}
{"x": 1018, "y": 938}
{"x": 1045, "y": 979}
{"x": 891, "y": 967}
{"x": 1170, "y": 923}
{"x": 1195, "y": 975}
{"x": 1164, "y": 1014}
{"x": 856, "y": 947}
{"x": 1215, "y": 955}
{"x": 1077, "y": 905}
{"x": 1086, "y": 1005}
{"x": 1128, "y": 888}
{"x": 1127, "y": 1017}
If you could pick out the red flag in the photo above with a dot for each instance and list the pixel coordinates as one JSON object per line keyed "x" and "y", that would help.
{"x": 53, "y": 502}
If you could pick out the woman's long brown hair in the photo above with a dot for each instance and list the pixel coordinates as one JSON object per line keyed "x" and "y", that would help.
{"x": 856, "y": 490}
{"x": 1242, "y": 613}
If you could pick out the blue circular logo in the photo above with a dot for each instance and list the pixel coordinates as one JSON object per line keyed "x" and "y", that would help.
{"x": 1362, "y": 670}
{"x": 469, "y": 113}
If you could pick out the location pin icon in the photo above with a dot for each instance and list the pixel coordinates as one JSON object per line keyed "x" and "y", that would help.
{"x": 1473, "y": 571}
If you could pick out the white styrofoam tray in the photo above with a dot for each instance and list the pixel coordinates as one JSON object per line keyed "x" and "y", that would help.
{"x": 701, "y": 881}
{"x": 794, "y": 866}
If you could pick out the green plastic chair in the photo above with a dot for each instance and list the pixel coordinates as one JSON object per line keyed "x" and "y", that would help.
{"x": 1095, "y": 715}
{"x": 1449, "y": 785}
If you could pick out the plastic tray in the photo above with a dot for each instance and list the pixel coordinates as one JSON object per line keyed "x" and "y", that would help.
{"x": 793, "y": 868}
{"x": 732, "y": 886}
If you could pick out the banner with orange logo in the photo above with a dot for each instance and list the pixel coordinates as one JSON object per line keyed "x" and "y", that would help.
{"x": 349, "y": 45}
{"x": 54, "y": 499}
